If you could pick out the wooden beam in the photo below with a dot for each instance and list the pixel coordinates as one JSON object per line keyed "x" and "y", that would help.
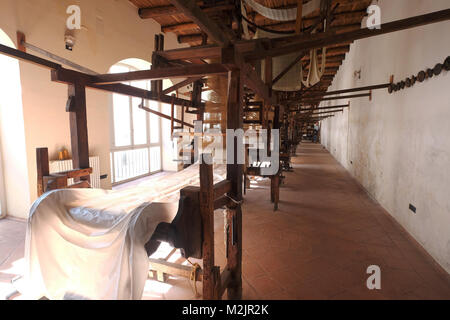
{"x": 161, "y": 73}
{"x": 206, "y": 201}
{"x": 160, "y": 11}
{"x": 69, "y": 76}
{"x": 78, "y": 128}
{"x": 181, "y": 84}
{"x": 163, "y": 266}
{"x": 168, "y": 10}
{"x": 13, "y": 53}
{"x": 330, "y": 93}
{"x": 235, "y": 172}
{"x": 43, "y": 169}
{"x": 162, "y": 115}
{"x": 191, "y": 10}
{"x": 312, "y": 100}
{"x": 200, "y": 52}
{"x": 323, "y": 108}
{"x": 323, "y": 112}
{"x": 315, "y": 41}
{"x": 289, "y": 67}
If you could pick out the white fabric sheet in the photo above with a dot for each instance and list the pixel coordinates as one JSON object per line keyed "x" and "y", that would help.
{"x": 283, "y": 14}
{"x": 89, "y": 243}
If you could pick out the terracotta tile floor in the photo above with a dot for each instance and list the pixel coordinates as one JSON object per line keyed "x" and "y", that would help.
{"x": 317, "y": 246}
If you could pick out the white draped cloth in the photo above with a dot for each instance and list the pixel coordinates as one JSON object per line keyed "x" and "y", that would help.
{"x": 89, "y": 243}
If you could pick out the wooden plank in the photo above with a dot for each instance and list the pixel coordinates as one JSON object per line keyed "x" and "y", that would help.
{"x": 191, "y": 10}
{"x": 206, "y": 200}
{"x": 288, "y": 67}
{"x": 161, "y": 73}
{"x": 17, "y": 54}
{"x": 78, "y": 128}
{"x": 200, "y": 52}
{"x": 179, "y": 270}
{"x": 161, "y": 11}
{"x": 221, "y": 188}
{"x": 69, "y": 76}
{"x": 162, "y": 115}
{"x": 221, "y": 202}
{"x": 235, "y": 172}
{"x": 43, "y": 169}
{"x": 330, "y": 93}
{"x": 317, "y": 100}
{"x": 80, "y": 185}
{"x": 180, "y": 85}
{"x": 76, "y": 173}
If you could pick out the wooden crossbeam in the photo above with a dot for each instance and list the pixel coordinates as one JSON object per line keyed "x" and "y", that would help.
{"x": 161, "y": 73}
{"x": 191, "y": 10}
{"x": 312, "y": 100}
{"x": 316, "y": 41}
{"x": 330, "y": 93}
{"x": 69, "y": 76}
{"x": 324, "y": 112}
{"x": 180, "y": 85}
{"x": 285, "y": 45}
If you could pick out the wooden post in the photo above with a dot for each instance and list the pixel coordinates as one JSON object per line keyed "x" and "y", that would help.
{"x": 42, "y": 169}
{"x": 211, "y": 273}
{"x": 197, "y": 98}
{"x": 172, "y": 115}
{"x": 78, "y": 127}
{"x": 235, "y": 175}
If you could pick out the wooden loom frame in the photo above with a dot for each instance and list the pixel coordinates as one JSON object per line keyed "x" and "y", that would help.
{"x": 235, "y": 59}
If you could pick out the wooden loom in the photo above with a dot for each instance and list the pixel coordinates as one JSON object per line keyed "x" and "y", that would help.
{"x": 234, "y": 59}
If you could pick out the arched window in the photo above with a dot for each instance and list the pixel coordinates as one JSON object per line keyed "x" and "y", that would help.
{"x": 136, "y": 134}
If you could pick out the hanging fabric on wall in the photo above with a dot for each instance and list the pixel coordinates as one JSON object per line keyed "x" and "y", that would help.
{"x": 283, "y": 14}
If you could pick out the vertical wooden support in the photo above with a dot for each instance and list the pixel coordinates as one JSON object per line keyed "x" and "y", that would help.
{"x": 157, "y": 85}
{"x": 275, "y": 190}
{"x": 172, "y": 115}
{"x": 235, "y": 175}
{"x": 78, "y": 127}
{"x": 211, "y": 273}
{"x": 42, "y": 169}
{"x": 153, "y": 83}
{"x": 197, "y": 98}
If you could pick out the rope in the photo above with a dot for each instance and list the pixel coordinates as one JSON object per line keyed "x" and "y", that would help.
{"x": 193, "y": 276}
{"x": 234, "y": 201}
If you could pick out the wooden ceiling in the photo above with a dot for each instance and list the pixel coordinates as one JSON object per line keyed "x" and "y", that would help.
{"x": 347, "y": 16}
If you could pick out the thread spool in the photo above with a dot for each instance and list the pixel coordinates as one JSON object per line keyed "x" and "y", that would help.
{"x": 391, "y": 88}
{"x": 421, "y": 76}
{"x": 408, "y": 82}
{"x": 447, "y": 64}
{"x": 437, "y": 69}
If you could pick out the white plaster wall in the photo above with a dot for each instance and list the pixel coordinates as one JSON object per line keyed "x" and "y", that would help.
{"x": 397, "y": 146}
{"x": 115, "y": 32}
